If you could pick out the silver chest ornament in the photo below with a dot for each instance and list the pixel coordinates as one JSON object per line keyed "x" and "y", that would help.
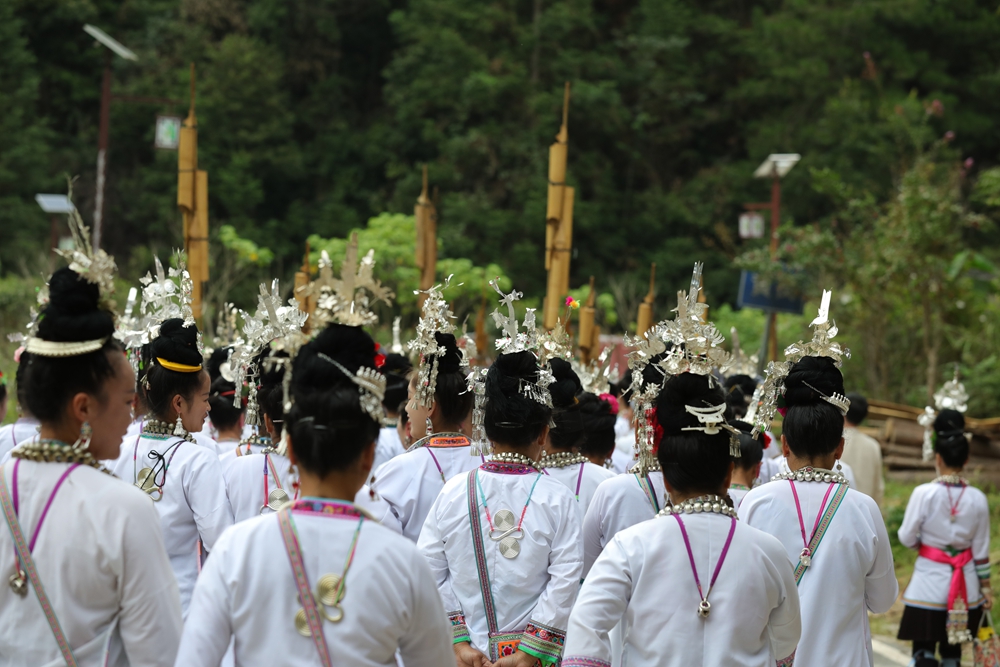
{"x": 506, "y": 532}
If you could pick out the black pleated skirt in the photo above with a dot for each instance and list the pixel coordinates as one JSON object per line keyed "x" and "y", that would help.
{"x": 928, "y": 625}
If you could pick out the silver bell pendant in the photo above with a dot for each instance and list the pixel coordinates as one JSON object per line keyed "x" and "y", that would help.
{"x": 806, "y": 557}
{"x": 704, "y": 608}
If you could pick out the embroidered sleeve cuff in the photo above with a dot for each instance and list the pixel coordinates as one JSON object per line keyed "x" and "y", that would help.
{"x": 459, "y": 630}
{"x": 786, "y": 662}
{"x": 583, "y": 661}
{"x": 543, "y": 642}
{"x": 983, "y": 568}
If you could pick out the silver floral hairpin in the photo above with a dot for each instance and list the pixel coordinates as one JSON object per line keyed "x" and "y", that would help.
{"x": 349, "y": 298}
{"x": 821, "y": 345}
{"x": 951, "y": 396}
{"x": 370, "y": 383}
{"x": 436, "y": 317}
{"x": 712, "y": 421}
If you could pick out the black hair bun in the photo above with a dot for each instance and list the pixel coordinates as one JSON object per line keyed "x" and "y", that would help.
{"x": 396, "y": 364}
{"x": 218, "y": 357}
{"x": 567, "y": 385}
{"x": 349, "y": 346}
{"x": 949, "y": 423}
{"x": 742, "y": 386}
{"x": 72, "y": 313}
{"x": 686, "y": 389}
{"x": 177, "y": 343}
{"x": 808, "y": 377}
{"x": 451, "y": 360}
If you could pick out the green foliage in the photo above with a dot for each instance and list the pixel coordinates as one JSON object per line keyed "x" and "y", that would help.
{"x": 393, "y": 237}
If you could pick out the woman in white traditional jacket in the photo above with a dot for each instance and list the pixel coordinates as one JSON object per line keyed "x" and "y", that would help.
{"x": 98, "y": 589}
{"x": 320, "y": 581}
{"x": 746, "y": 466}
{"x": 597, "y": 413}
{"x": 693, "y": 586}
{"x": 625, "y": 500}
{"x": 183, "y": 478}
{"x": 503, "y": 540}
{"x": 262, "y": 481}
{"x": 227, "y": 418}
{"x": 834, "y": 534}
{"x": 564, "y": 460}
{"x": 410, "y": 483}
{"x": 948, "y": 522}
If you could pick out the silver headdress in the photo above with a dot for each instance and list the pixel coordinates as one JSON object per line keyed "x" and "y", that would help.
{"x": 821, "y": 345}
{"x": 741, "y": 363}
{"x": 951, "y": 396}
{"x": 397, "y": 347}
{"x": 596, "y": 376}
{"x": 272, "y": 320}
{"x": 510, "y": 341}
{"x": 436, "y": 317}
{"x": 96, "y": 267}
{"x": 555, "y": 344}
{"x": 688, "y": 344}
{"x": 347, "y": 299}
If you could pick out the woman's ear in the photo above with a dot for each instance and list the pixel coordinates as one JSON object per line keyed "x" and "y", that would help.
{"x": 177, "y": 403}
{"x": 544, "y": 436}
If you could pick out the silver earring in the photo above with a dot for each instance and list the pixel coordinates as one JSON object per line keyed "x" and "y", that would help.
{"x": 179, "y": 427}
{"x": 839, "y": 468}
{"x": 429, "y": 427}
{"x": 82, "y": 443}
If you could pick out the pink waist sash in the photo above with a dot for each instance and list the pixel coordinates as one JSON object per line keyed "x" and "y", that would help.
{"x": 957, "y": 562}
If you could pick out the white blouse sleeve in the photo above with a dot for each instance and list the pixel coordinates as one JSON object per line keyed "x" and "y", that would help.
{"x": 428, "y": 640}
{"x": 593, "y": 529}
{"x": 392, "y": 483}
{"x": 909, "y": 531}
{"x": 602, "y": 602}
{"x": 207, "y": 629}
{"x": 784, "y": 626}
{"x": 208, "y": 500}
{"x": 881, "y": 586}
{"x": 150, "y": 620}
{"x": 545, "y": 634}
{"x": 981, "y": 542}
{"x": 431, "y": 546}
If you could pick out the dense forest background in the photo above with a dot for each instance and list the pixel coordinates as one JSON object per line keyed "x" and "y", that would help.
{"x": 316, "y": 116}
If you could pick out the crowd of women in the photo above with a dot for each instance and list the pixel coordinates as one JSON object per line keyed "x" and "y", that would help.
{"x": 377, "y": 514}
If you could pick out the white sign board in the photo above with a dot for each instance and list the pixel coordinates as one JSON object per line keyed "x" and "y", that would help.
{"x": 168, "y": 132}
{"x": 751, "y": 226}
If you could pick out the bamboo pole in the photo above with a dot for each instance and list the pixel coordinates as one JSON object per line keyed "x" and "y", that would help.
{"x": 645, "y": 318}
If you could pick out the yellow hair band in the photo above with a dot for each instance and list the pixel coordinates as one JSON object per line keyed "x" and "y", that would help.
{"x": 180, "y": 368}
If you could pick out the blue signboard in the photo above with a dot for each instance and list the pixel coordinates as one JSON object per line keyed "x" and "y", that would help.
{"x": 767, "y": 296}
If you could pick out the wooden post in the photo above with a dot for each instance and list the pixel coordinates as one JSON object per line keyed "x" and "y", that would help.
{"x": 558, "y": 221}
{"x": 645, "y": 319}
{"x": 192, "y": 198}
{"x": 425, "y": 215}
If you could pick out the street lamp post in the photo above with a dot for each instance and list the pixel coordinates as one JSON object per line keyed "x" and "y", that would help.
{"x": 102, "y": 137}
{"x": 774, "y": 167}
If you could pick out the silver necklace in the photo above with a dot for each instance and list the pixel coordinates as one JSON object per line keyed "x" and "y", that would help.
{"x": 955, "y": 480}
{"x": 514, "y": 458}
{"x": 561, "y": 460}
{"x": 711, "y": 504}
{"x": 155, "y": 427}
{"x": 811, "y": 474}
